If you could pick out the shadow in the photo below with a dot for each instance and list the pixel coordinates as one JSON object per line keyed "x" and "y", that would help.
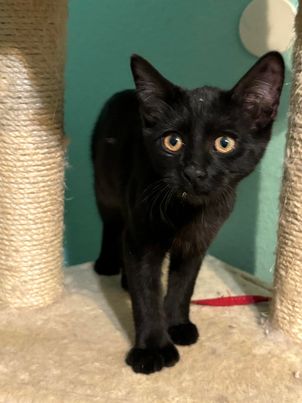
{"x": 119, "y": 302}
{"x": 106, "y": 292}
{"x": 248, "y": 239}
{"x": 83, "y": 225}
{"x": 32, "y": 54}
{"x": 236, "y": 242}
{"x": 26, "y": 39}
{"x": 218, "y": 279}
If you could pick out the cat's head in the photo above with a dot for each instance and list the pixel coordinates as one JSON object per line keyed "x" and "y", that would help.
{"x": 204, "y": 141}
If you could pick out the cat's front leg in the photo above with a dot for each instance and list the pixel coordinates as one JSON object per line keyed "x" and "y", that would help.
{"x": 153, "y": 348}
{"x": 183, "y": 272}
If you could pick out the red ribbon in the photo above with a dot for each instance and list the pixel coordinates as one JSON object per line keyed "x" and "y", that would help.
{"x": 232, "y": 300}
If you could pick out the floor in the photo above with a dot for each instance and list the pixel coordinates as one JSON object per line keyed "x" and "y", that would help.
{"x": 73, "y": 351}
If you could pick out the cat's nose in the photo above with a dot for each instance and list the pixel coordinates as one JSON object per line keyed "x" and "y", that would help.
{"x": 191, "y": 173}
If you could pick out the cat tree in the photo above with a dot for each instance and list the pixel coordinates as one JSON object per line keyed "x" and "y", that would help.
{"x": 81, "y": 335}
{"x": 286, "y": 309}
{"x": 32, "y": 51}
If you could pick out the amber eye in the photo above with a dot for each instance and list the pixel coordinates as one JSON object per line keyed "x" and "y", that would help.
{"x": 172, "y": 143}
{"x": 224, "y": 144}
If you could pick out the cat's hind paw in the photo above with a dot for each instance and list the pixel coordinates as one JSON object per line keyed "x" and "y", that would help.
{"x": 124, "y": 282}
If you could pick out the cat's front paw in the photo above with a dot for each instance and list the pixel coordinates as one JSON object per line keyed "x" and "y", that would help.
{"x": 184, "y": 334}
{"x": 106, "y": 267}
{"x": 146, "y": 361}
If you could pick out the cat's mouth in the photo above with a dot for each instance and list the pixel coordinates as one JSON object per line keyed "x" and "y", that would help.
{"x": 195, "y": 190}
{"x": 198, "y": 196}
{"x": 194, "y": 193}
{"x": 194, "y": 198}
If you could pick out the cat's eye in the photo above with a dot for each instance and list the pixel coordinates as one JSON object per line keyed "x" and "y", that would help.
{"x": 172, "y": 142}
{"x": 224, "y": 144}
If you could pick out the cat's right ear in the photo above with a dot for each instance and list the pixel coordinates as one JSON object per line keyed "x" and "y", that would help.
{"x": 153, "y": 90}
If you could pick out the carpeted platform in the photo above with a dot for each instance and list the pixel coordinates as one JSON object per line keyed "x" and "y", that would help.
{"x": 73, "y": 351}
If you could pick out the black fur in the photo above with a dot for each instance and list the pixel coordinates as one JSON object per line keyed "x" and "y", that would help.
{"x": 153, "y": 201}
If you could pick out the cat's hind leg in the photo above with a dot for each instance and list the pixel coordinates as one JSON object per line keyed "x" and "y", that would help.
{"x": 110, "y": 260}
{"x": 124, "y": 280}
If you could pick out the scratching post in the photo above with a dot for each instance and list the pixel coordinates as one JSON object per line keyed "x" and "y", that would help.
{"x": 286, "y": 309}
{"x": 32, "y": 48}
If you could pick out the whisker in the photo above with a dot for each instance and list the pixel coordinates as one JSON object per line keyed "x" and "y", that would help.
{"x": 155, "y": 200}
{"x": 164, "y": 207}
{"x": 169, "y": 198}
{"x": 149, "y": 190}
{"x": 157, "y": 193}
{"x": 161, "y": 212}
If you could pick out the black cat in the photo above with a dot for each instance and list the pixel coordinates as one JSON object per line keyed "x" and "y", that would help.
{"x": 167, "y": 162}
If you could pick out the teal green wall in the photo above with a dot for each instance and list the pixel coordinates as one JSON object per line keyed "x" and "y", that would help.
{"x": 193, "y": 43}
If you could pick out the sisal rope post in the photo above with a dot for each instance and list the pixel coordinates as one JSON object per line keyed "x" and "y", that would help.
{"x": 32, "y": 49}
{"x": 286, "y": 308}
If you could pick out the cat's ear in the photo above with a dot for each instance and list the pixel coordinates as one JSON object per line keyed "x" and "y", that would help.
{"x": 259, "y": 90}
{"x": 153, "y": 90}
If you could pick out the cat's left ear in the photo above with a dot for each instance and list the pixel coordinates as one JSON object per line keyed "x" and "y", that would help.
{"x": 258, "y": 92}
{"x": 153, "y": 90}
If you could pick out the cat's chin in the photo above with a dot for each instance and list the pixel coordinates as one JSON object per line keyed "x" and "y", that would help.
{"x": 199, "y": 199}
{"x": 194, "y": 199}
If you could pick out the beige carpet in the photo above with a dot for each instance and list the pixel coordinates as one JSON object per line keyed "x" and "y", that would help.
{"x": 73, "y": 351}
